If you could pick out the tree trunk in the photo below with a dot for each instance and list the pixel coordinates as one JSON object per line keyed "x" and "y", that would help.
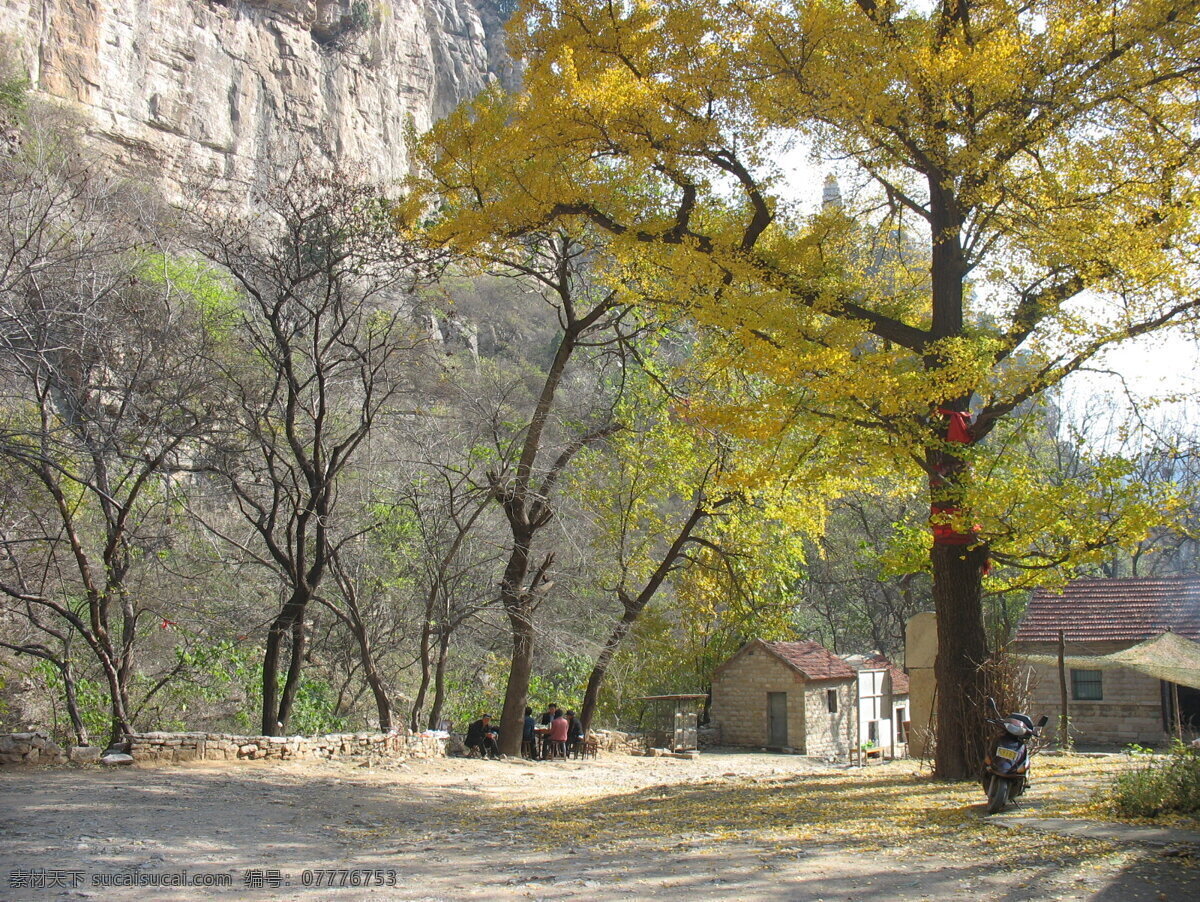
{"x": 383, "y": 704}
{"x": 1064, "y": 715}
{"x": 122, "y": 724}
{"x": 439, "y": 679}
{"x": 270, "y": 675}
{"x": 121, "y": 729}
{"x": 128, "y": 638}
{"x": 72, "y": 700}
{"x": 291, "y": 685}
{"x": 634, "y": 606}
{"x": 958, "y": 559}
{"x": 414, "y": 720}
{"x": 591, "y": 696}
{"x": 962, "y": 653}
{"x": 512, "y": 719}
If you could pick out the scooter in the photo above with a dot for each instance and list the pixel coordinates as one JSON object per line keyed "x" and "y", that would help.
{"x": 1006, "y": 763}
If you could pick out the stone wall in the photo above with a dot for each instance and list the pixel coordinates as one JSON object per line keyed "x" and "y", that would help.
{"x": 29, "y": 748}
{"x": 1130, "y": 711}
{"x": 739, "y": 699}
{"x": 709, "y": 736}
{"x": 153, "y": 748}
{"x": 829, "y": 734}
{"x": 618, "y": 742}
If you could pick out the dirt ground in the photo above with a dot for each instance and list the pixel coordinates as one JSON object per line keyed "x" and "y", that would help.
{"x": 729, "y": 825}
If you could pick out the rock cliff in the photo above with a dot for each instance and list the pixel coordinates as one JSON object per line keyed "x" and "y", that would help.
{"x": 179, "y": 90}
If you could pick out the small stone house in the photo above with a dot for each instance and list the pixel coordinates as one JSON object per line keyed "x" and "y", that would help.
{"x": 882, "y": 704}
{"x": 1099, "y": 617}
{"x": 793, "y": 696}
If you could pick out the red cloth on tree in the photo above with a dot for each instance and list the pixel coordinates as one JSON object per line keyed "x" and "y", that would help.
{"x": 959, "y": 429}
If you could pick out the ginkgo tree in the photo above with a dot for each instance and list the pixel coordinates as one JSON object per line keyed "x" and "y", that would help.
{"x": 670, "y": 493}
{"x": 1044, "y": 151}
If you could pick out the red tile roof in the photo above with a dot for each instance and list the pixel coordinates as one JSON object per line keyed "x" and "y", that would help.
{"x": 899, "y": 680}
{"x": 1114, "y": 610}
{"x": 812, "y": 659}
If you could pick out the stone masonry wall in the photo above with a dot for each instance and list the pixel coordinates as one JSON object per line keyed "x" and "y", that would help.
{"x": 739, "y": 699}
{"x": 29, "y": 748}
{"x": 1131, "y": 710}
{"x": 829, "y": 734}
{"x": 153, "y": 748}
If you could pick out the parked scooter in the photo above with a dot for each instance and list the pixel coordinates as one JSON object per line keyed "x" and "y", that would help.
{"x": 1006, "y": 762}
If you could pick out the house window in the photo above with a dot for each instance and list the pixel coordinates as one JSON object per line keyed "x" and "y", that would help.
{"x": 1086, "y": 685}
{"x": 901, "y": 725}
{"x": 831, "y": 700}
{"x": 873, "y": 731}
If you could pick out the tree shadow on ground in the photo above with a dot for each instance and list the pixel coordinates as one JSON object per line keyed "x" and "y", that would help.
{"x": 241, "y": 816}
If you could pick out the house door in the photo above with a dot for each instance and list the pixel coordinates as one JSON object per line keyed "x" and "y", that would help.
{"x": 777, "y": 736}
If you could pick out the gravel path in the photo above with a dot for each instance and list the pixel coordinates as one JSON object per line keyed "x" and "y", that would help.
{"x": 725, "y": 826}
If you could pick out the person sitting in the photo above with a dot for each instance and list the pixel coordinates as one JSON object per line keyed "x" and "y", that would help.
{"x": 528, "y": 734}
{"x": 558, "y": 736}
{"x": 574, "y": 733}
{"x": 547, "y": 718}
{"x": 481, "y": 737}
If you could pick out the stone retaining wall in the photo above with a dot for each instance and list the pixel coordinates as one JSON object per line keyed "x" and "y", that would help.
{"x": 153, "y": 748}
{"x": 29, "y": 748}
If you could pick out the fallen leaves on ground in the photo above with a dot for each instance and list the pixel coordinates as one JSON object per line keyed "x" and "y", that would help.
{"x": 1090, "y": 780}
{"x": 884, "y": 810}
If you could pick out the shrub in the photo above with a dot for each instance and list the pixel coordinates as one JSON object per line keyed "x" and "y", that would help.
{"x": 1169, "y": 785}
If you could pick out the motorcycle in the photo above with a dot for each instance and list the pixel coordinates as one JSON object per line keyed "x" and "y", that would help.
{"x": 1006, "y": 762}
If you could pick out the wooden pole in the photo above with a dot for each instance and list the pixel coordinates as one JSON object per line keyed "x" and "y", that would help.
{"x": 1178, "y": 717}
{"x": 1064, "y": 718}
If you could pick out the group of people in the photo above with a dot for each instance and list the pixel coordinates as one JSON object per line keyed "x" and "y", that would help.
{"x": 552, "y": 735}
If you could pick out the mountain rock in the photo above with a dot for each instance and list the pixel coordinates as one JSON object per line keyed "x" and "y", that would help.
{"x": 189, "y": 92}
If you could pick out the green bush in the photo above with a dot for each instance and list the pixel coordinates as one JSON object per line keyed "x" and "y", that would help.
{"x": 1164, "y": 785}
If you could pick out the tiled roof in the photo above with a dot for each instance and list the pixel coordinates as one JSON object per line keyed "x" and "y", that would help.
{"x": 812, "y": 659}
{"x": 1114, "y": 610}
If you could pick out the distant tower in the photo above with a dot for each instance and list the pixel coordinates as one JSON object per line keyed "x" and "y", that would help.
{"x": 831, "y": 196}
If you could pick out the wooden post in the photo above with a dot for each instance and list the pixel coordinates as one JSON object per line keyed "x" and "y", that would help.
{"x": 1064, "y": 717}
{"x": 1175, "y": 705}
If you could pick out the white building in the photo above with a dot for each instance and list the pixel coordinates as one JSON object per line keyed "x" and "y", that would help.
{"x": 882, "y": 705}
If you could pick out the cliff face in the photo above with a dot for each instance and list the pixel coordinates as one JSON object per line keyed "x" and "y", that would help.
{"x": 185, "y": 90}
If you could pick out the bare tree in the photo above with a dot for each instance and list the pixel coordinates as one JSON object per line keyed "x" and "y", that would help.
{"x": 324, "y": 347}
{"x": 454, "y": 573}
{"x": 102, "y": 399}
{"x": 533, "y": 458}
